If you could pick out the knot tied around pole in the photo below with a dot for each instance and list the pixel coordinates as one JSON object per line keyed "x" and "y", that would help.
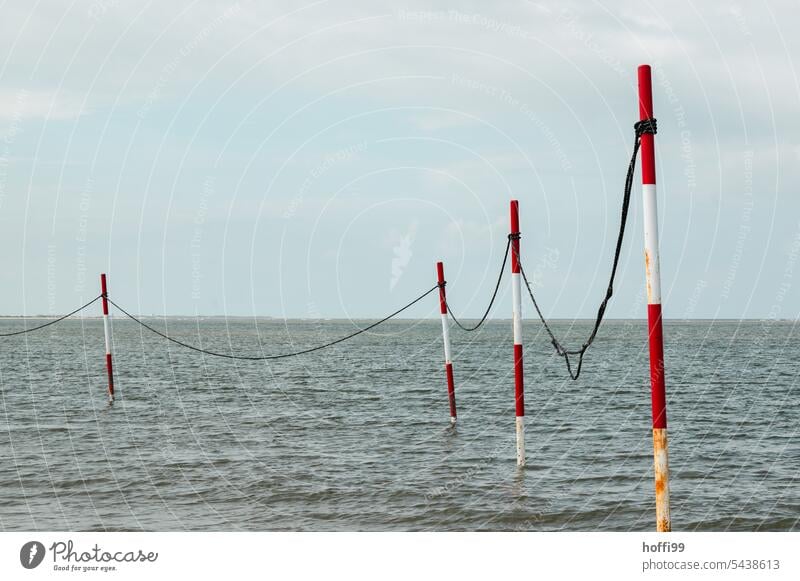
{"x": 648, "y": 126}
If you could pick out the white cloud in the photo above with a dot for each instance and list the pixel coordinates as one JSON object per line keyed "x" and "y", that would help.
{"x": 434, "y": 122}
{"x": 549, "y": 82}
{"x": 20, "y": 104}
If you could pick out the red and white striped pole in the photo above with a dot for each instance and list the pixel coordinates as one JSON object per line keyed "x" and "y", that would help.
{"x": 107, "y": 332}
{"x": 516, "y": 291}
{"x": 653, "y": 274}
{"x": 448, "y": 362}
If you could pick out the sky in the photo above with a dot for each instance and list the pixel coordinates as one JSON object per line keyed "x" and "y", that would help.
{"x": 316, "y": 159}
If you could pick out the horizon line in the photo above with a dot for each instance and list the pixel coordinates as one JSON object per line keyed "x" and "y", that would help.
{"x": 367, "y": 318}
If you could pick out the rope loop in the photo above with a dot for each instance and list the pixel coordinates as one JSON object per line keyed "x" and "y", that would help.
{"x": 645, "y": 126}
{"x": 53, "y": 322}
{"x": 494, "y": 295}
{"x": 269, "y": 357}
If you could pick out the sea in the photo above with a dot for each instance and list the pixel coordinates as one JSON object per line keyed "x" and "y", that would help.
{"x": 357, "y": 437}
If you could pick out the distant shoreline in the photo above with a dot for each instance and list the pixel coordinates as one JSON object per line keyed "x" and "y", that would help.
{"x": 122, "y": 318}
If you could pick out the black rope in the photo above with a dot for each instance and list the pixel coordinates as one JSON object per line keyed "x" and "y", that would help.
{"x": 640, "y": 128}
{"x": 491, "y": 302}
{"x": 281, "y": 355}
{"x": 58, "y": 320}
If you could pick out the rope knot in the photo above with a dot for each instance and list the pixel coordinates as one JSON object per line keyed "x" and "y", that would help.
{"x": 646, "y": 126}
{"x": 514, "y": 236}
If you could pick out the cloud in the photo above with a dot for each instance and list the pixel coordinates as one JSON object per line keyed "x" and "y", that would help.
{"x": 469, "y": 102}
{"x": 434, "y": 122}
{"x": 21, "y": 104}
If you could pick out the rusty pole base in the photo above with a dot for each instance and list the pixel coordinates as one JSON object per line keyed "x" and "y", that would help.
{"x": 661, "y": 465}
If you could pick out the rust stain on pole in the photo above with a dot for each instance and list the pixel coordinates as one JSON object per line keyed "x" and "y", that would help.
{"x": 661, "y": 466}
{"x": 648, "y": 275}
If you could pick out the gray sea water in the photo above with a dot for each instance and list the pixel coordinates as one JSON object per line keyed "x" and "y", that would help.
{"x": 357, "y": 437}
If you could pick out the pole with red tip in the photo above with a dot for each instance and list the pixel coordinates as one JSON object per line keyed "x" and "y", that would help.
{"x": 107, "y": 331}
{"x": 653, "y": 279}
{"x": 516, "y": 291}
{"x": 448, "y": 363}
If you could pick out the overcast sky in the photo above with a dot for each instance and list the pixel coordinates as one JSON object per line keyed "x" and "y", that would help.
{"x": 316, "y": 159}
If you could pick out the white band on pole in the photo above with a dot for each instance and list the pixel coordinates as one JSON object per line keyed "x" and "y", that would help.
{"x": 652, "y": 261}
{"x": 446, "y": 340}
